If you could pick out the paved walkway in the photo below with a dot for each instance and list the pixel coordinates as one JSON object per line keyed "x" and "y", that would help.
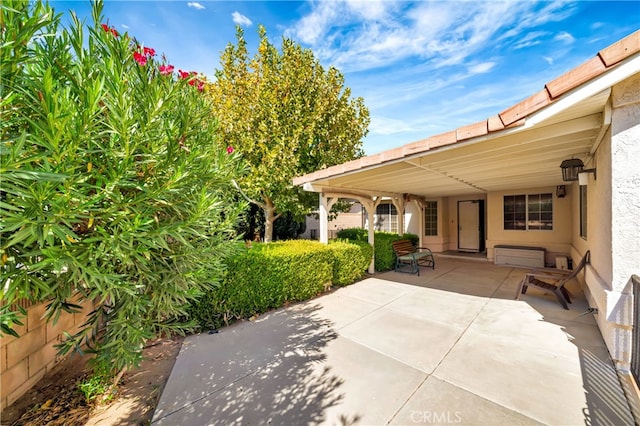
{"x": 448, "y": 347}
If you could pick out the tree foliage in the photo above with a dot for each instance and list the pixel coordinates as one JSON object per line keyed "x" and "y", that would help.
{"x": 113, "y": 188}
{"x": 286, "y": 116}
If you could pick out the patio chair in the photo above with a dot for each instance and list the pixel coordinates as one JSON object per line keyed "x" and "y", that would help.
{"x": 552, "y": 281}
{"x": 412, "y": 257}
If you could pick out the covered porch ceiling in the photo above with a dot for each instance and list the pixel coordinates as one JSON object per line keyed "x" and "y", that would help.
{"x": 519, "y": 158}
{"x": 520, "y": 148}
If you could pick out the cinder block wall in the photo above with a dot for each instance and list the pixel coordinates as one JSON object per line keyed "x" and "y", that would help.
{"x": 25, "y": 360}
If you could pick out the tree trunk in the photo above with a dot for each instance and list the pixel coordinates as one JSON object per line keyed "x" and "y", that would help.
{"x": 269, "y": 219}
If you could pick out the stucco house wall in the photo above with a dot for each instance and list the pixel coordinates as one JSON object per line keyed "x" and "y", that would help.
{"x": 555, "y": 242}
{"x": 614, "y": 198}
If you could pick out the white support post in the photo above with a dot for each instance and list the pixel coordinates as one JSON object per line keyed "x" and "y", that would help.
{"x": 371, "y": 205}
{"x": 400, "y": 204}
{"x": 419, "y": 203}
{"x": 324, "y": 219}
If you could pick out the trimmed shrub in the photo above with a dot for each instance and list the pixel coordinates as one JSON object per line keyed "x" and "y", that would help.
{"x": 358, "y": 234}
{"x": 264, "y": 277}
{"x": 350, "y": 261}
{"x": 267, "y": 276}
{"x": 385, "y": 258}
{"x": 367, "y": 253}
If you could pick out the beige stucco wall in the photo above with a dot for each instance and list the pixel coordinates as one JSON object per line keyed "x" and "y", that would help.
{"x": 437, "y": 243}
{"x": 556, "y": 242}
{"x": 614, "y": 222}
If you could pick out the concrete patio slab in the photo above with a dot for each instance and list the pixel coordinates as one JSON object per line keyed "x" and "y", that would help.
{"x": 437, "y": 402}
{"x": 403, "y": 349}
{"x": 453, "y": 309}
{"x": 419, "y": 343}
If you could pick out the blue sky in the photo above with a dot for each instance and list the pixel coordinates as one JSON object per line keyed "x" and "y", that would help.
{"x": 422, "y": 67}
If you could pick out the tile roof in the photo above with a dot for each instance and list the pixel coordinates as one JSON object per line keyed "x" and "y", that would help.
{"x": 513, "y": 116}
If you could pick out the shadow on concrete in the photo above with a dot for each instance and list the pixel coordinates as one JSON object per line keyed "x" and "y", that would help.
{"x": 270, "y": 370}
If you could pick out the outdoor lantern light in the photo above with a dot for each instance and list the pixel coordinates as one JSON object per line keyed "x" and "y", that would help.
{"x": 571, "y": 168}
{"x": 583, "y": 176}
{"x": 561, "y": 191}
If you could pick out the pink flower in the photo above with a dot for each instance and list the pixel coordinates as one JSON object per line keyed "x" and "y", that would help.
{"x": 140, "y": 58}
{"x": 230, "y": 149}
{"x": 165, "y": 69}
{"x": 149, "y": 51}
{"x": 108, "y": 29}
{"x": 183, "y": 74}
{"x": 200, "y": 86}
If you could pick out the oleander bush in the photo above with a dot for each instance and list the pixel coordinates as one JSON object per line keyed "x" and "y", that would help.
{"x": 112, "y": 185}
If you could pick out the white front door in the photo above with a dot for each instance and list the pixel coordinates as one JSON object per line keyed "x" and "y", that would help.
{"x": 469, "y": 226}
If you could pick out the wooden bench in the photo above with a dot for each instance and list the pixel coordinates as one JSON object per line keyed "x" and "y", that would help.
{"x": 409, "y": 258}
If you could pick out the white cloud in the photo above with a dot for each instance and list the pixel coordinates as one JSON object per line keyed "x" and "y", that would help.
{"x": 564, "y": 37}
{"x": 359, "y": 35}
{"x": 388, "y": 126}
{"x": 196, "y": 5}
{"x": 240, "y": 19}
{"x": 481, "y": 68}
{"x": 548, "y": 60}
{"x": 126, "y": 27}
{"x": 530, "y": 39}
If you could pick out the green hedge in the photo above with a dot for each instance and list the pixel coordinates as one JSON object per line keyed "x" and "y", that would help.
{"x": 267, "y": 276}
{"x": 351, "y": 260}
{"x": 385, "y": 258}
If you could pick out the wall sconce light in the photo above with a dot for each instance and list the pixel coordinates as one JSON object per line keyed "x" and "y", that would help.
{"x": 571, "y": 168}
{"x": 583, "y": 176}
{"x": 561, "y": 191}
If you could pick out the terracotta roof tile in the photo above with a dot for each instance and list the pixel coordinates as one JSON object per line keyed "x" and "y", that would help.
{"x": 418, "y": 146}
{"x": 621, "y": 49}
{"x": 567, "y": 81}
{"x": 528, "y": 106}
{"x": 494, "y": 123}
{"x": 442, "y": 139}
{"x": 472, "y": 130}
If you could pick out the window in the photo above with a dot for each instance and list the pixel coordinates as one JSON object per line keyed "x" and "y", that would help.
{"x": 583, "y": 212}
{"x": 431, "y": 218}
{"x": 386, "y": 218}
{"x": 515, "y": 212}
{"x": 528, "y": 212}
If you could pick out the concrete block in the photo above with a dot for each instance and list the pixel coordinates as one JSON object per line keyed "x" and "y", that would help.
{"x": 42, "y": 357}
{"x": 3, "y": 358}
{"x": 65, "y": 323}
{"x": 24, "y": 387}
{"x": 13, "y": 378}
{"x": 20, "y": 329}
{"x": 19, "y": 350}
{"x": 35, "y": 316}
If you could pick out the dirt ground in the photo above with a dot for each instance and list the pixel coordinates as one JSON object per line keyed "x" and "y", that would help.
{"x": 56, "y": 400}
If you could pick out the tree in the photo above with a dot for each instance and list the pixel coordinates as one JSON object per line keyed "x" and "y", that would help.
{"x": 113, "y": 186}
{"x": 286, "y": 116}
